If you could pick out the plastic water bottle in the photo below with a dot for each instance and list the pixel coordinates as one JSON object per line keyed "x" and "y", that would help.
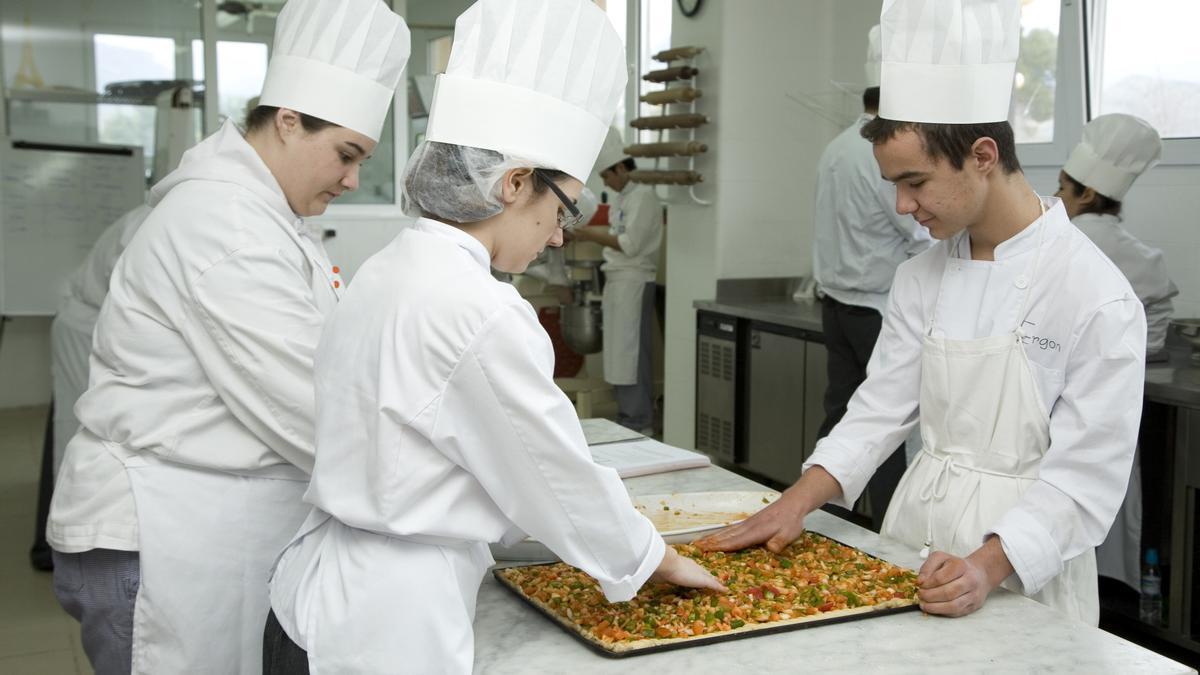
{"x": 1150, "y": 605}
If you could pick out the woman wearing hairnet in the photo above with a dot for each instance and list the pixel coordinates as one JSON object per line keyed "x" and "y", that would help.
{"x": 439, "y": 426}
{"x": 1114, "y": 151}
{"x": 187, "y": 476}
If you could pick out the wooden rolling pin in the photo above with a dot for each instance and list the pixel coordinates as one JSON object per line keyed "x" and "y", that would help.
{"x": 668, "y": 55}
{"x": 684, "y": 121}
{"x": 676, "y": 95}
{"x": 666, "y": 177}
{"x": 676, "y": 149}
{"x": 671, "y": 74}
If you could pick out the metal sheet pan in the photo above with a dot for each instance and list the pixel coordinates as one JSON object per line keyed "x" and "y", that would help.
{"x": 683, "y": 643}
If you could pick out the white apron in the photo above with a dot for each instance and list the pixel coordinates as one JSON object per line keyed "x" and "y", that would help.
{"x": 1119, "y": 557}
{"x": 622, "y": 307}
{"x": 984, "y": 432}
{"x": 364, "y": 602}
{"x": 207, "y": 542}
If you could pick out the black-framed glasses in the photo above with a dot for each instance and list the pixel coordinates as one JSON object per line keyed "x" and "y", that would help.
{"x": 571, "y": 218}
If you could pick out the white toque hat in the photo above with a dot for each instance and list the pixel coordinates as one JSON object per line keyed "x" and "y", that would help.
{"x": 339, "y": 60}
{"x": 612, "y": 152}
{"x": 874, "y": 56}
{"x": 534, "y": 79}
{"x": 948, "y": 61}
{"x": 1114, "y": 151}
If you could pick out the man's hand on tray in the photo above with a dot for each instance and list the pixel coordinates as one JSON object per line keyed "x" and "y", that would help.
{"x": 953, "y": 586}
{"x": 782, "y": 522}
{"x": 681, "y": 571}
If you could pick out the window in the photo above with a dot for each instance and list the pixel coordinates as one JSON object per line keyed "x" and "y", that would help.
{"x": 655, "y": 37}
{"x": 128, "y": 59}
{"x": 1144, "y": 60}
{"x": 241, "y": 71}
{"x": 617, "y": 12}
{"x": 1034, "y": 85}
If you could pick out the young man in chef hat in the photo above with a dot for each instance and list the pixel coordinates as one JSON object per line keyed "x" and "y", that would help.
{"x": 1014, "y": 342}
{"x": 186, "y": 477}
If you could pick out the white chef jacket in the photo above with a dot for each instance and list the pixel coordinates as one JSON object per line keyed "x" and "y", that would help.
{"x": 636, "y": 220}
{"x": 860, "y": 239}
{"x": 1084, "y": 334}
{"x": 75, "y": 321}
{"x": 1142, "y": 265}
{"x": 203, "y": 350}
{"x": 438, "y": 420}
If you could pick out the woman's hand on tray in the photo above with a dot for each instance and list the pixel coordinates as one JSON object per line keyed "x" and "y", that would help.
{"x": 681, "y": 571}
{"x": 782, "y": 522}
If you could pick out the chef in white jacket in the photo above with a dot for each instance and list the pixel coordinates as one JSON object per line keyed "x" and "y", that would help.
{"x": 631, "y": 247}
{"x": 439, "y": 426}
{"x": 1016, "y": 344}
{"x": 1114, "y": 151}
{"x": 197, "y": 436}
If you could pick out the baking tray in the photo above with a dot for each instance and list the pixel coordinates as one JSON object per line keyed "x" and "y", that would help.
{"x": 856, "y": 614}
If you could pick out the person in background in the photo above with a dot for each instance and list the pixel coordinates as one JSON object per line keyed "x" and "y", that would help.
{"x": 70, "y": 346}
{"x": 631, "y": 247}
{"x": 1114, "y": 151}
{"x": 860, "y": 241}
{"x": 439, "y": 426}
{"x": 1019, "y": 343}
{"x": 196, "y": 437}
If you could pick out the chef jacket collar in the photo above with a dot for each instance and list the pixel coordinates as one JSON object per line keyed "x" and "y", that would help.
{"x": 472, "y": 245}
{"x": 1026, "y": 240}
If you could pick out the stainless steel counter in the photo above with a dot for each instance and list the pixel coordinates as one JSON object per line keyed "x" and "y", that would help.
{"x": 1175, "y": 382}
{"x": 802, "y": 315}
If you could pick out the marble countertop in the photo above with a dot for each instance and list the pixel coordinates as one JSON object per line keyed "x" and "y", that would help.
{"x": 1174, "y": 382}
{"x": 1010, "y": 634}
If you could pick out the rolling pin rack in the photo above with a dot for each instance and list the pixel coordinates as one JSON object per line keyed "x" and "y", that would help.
{"x": 681, "y": 87}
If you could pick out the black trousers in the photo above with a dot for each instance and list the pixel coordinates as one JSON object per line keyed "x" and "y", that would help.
{"x": 281, "y": 656}
{"x": 850, "y": 336}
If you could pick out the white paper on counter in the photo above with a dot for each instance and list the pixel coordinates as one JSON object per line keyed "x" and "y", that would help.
{"x": 645, "y": 456}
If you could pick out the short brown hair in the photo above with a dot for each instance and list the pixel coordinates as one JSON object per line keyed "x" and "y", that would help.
{"x": 1103, "y": 204}
{"x": 262, "y": 115}
{"x": 951, "y": 142}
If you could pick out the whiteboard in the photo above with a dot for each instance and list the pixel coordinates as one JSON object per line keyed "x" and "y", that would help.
{"x": 55, "y": 201}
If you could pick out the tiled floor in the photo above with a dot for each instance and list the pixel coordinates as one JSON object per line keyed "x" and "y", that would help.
{"x": 36, "y": 636}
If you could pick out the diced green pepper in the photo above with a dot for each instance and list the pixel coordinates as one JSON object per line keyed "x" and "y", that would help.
{"x": 737, "y": 623}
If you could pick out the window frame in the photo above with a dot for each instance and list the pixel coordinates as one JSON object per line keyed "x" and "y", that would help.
{"x": 1072, "y": 100}
{"x": 1176, "y": 151}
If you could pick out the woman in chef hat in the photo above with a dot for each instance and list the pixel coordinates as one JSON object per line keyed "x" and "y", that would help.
{"x": 439, "y": 426}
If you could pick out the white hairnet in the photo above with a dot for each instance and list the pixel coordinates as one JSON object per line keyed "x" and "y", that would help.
{"x": 455, "y": 183}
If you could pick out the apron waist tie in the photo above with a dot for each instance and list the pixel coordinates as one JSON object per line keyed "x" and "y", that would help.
{"x": 936, "y": 488}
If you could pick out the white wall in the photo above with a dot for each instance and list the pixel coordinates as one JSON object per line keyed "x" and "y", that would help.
{"x": 760, "y": 171}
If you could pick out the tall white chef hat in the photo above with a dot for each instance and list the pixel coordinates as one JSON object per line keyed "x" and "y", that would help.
{"x": 611, "y": 152}
{"x": 339, "y": 60}
{"x": 874, "y": 56}
{"x": 537, "y": 79}
{"x": 1114, "y": 151}
{"x": 948, "y": 61}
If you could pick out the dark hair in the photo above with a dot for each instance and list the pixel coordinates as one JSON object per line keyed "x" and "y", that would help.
{"x": 871, "y": 98}
{"x": 262, "y": 115}
{"x": 949, "y": 141}
{"x": 629, "y": 163}
{"x": 553, "y": 174}
{"x": 1102, "y": 204}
